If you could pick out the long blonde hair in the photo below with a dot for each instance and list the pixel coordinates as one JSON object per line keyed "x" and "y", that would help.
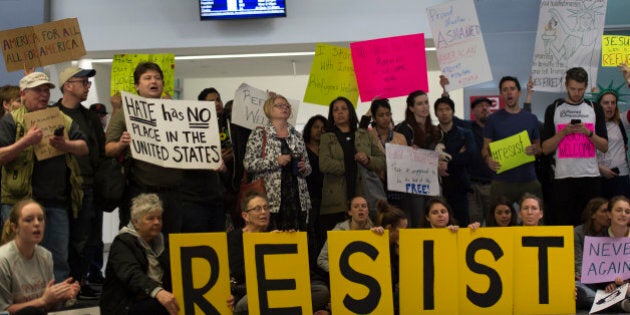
{"x": 8, "y": 233}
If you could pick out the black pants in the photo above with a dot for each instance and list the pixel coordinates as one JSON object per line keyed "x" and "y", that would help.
{"x": 571, "y": 196}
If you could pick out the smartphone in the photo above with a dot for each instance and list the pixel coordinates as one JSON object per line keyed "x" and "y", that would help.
{"x": 615, "y": 170}
{"x": 59, "y": 131}
{"x": 576, "y": 121}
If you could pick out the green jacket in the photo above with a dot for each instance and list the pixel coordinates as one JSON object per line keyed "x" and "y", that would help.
{"x": 16, "y": 175}
{"x": 331, "y": 164}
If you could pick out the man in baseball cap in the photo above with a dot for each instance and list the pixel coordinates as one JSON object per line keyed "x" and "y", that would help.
{"x": 54, "y": 182}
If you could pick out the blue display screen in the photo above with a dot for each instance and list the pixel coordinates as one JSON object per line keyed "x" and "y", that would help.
{"x": 241, "y": 9}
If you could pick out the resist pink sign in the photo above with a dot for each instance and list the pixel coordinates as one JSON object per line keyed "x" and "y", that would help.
{"x": 576, "y": 146}
{"x": 390, "y": 67}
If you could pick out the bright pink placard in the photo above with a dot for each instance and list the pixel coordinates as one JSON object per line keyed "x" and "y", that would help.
{"x": 576, "y": 145}
{"x": 390, "y": 67}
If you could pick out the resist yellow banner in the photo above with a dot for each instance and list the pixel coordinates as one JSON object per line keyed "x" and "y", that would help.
{"x": 200, "y": 272}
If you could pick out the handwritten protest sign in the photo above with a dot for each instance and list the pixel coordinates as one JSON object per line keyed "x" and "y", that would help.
{"x": 615, "y": 50}
{"x": 172, "y": 133}
{"x": 604, "y": 300}
{"x": 605, "y": 258}
{"x": 47, "y": 121}
{"x": 576, "y": 145}
{"x": 332, "y": 75}
{"x": 569, "y": 34}
{"x": 412, "y": 170}
{"x": 43, "y": 44}
{"x": 459, "y": 43}
{"x": 124, "y": 65}
{"x": 247, "y": 110}
{"x": 390, "y": 67}
{"x": 510, "y": 151}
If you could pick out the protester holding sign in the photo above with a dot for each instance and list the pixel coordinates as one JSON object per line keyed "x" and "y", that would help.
{"x": 138, "y": 271}
{"x": 343, "y": 149}
{"x": 419, "y": 132}
{"x": 596, "y": 221}
{"x": 504, "y": 123}
{"x": 284, "y": 166}
{"x": 54, "y": 182}
{"x": 613, "y": 164}
{"x": 574, "y": 128}
{"x": 146, "y": 177}
{"x": 438, "y": 214}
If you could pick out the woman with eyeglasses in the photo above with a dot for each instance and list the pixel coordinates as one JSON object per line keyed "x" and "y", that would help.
{"x": 283, "y": 164}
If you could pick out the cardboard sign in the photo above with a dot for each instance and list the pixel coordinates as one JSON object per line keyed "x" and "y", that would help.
{"x": 576, "y": 145}
{"x": 173, "y": 133}
{"x": 43, "y": 44}
{"x": 568, "y": 35}
{"x": 360, "y": 283}
{"x": 510, "y": 151}
{"x": 615, "y": 50}
{"x": 459, "y": 43}
{"x": 332, "y": 75}
{"x": 605, "y": 258}
{"x": 277, "y": 273}
{"x": 412, "y": 170}
{"x": 390, "y": 67}
{"x": 200, "y": 272}
{"x": 247, "y": 110}
{"x": 47, "y": 121}
{"x": 124, "y": 65}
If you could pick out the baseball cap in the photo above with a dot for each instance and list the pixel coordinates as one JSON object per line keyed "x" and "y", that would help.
{"x": 99, "y": 108}
{"x": 479, "y": 101}
{"x": 71, "y": 72}
{"x": 35, "y": 79}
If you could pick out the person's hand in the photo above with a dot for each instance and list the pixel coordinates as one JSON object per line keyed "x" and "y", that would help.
{"x": 301, "y": 166}
{"x": 222, "y": 168}
{"x": 125, "y": 140}
{"x": 61, "y": 291}
{"x": 492, "y": 164}
{"x": 28, "y": 71}
{"x": 362, "y": 158}
{"x": 606, "y": 172}
{"x": 378, "y": 230}
{"x": 474, "y": 226}
{"x": 443, "y": 168}
{"x": 33, "y": 136}
{"x": 611, "y": 287}
{"x": 116, "y": 101}
{"x": 167, "y": 299}
{"x": 167, "y": 96}
{"x": 284, "y": 159}
{"x": 453, "y": 228}
{"x": 230, "y": 302}
{"x": 59, "y": 143}
{"x": 443, "y": 83}
{"x": 227, "y": 154}
{"x": 575, "y": 128}
{"x": 625, "y": 71}
{"x": 531, "y": 150}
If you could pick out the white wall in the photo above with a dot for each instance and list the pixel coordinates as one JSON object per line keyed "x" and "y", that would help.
{"x": 122, "y": 25}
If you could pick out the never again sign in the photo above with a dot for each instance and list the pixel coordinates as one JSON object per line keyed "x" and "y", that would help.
{"x": 173, "y": 133}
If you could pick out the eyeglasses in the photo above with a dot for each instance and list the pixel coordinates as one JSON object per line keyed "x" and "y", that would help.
{"x": 84, "y": 82}
{"x": 259, "y": 208}
{"x": 283, "y": 105}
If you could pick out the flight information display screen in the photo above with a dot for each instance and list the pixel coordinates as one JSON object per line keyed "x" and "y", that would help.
{"x": 241, "y": 9}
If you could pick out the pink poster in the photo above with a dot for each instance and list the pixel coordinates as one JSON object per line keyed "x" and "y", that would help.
{"x": 390, "y": 67}
{"x": 576, "y": 146}
{"x": 605, "y": 258}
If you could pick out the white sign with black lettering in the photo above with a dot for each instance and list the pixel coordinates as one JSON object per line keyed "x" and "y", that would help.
{"x": 412, "y": 170}
{"x": 247, "y": 110}
{"x": 173, "y": 133}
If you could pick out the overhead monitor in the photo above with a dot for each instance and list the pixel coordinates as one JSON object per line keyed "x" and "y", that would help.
{"x": 241, "y": 9}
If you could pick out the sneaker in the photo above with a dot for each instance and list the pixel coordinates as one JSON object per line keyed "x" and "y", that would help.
{"x": 87, "y": 293}
{"x": 96, "y": 279}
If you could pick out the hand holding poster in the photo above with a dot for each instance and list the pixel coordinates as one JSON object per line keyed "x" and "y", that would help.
{"x": 576, "y": 145}
{"x": 124, "y": 65}
{"x": 615, "y": 50}
{"x": 510, "y": 151}
{"x": 332, "y": 75}
{"x": 172, "y": 133}
{"x": 43, "y": 44}
{"x": 412, "y": 170}
{"x": 605, "y": 258}
{"x": 604, "y": 300}
{"x": 47, "y": 120}
{"x": 247, "y": 110}
{"x": 459, "y": 43}
{"x": 390, "y": 67}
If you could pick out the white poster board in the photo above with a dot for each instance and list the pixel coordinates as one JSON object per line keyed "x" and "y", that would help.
{"x": 412, "y": 170}
{"x": 459, "y": 43}
{"x": 173, "y": 133}
{"x": 569, "y": 35}
{"x": 247, "y": 110}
